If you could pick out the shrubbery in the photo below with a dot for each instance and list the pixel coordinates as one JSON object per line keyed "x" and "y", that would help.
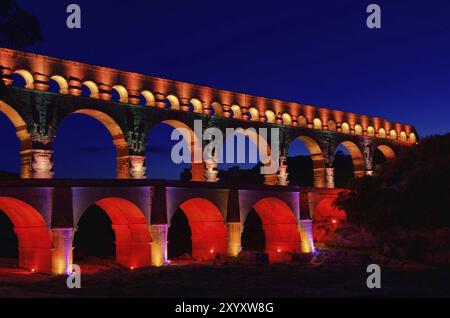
{"x": 412, "y": 191}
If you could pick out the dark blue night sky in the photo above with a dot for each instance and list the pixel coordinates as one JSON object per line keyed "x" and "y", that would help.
{"x": 315, "y": 52}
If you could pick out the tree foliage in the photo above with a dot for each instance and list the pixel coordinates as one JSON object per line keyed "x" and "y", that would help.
{"x": 18, "y": 28}
{"x": 412, "y": 191}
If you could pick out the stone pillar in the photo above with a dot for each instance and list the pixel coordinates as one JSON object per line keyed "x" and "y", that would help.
{"x": 134, "y": 97}
{"x": 137, "y": 167}
{"x": 184, "y": 104}
{"x": 306, "y": 235}
{"x": 198, "y": 172}
{"x": 329, "y": 176}
{"x": 62, "y": 253}
{"x": 42, "y": 164}
{"x": 104, "y": 92}
{"x": 233, "y": 238}
{"x": 211, "y": 172}
{"x": 41, "y": 82}
{"x": 123, "y": 168}
{"x": 226, "y": 110}
{"x": 270, "y": 179}
{"x": 75, "y": 86}
{"x": 369, "y": 173}
{"x": 282, "y": 173}
{"x": 160, "y": 100}
{"x": 159, "y": 244}
{"x": 6, "y": 76}
{"x": 319, "y": 178}
{"x": 26, "y": 160}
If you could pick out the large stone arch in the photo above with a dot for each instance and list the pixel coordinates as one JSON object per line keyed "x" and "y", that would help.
{"x": 357, "y": 157}
{"x": 117, "y": 135}
{"x": 193, "y": 142}
{"x": 318, "y": 159}
{"x": 132, "y": 234}
{"x": 35, "y": 244}
{"x": 24, "y": 137}
{"x": 280, "y": 228}
{"x": 387, "y": 151}
{"x": 208, "y": 229}
{"x": 264, "y": 150}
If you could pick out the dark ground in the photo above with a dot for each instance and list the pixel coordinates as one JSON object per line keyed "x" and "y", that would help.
{"x": 231, "y": 280}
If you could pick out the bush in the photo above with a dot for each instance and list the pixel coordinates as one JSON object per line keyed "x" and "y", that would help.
{"x": 412, "y": 191}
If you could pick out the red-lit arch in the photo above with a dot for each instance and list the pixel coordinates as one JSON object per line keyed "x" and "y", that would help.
{"x": 32, "y": 232}
{"x": 326, "y": 218}
{"x": 133, "y": 239}
{"x": 208, "y": 230}
{"x": 280, "y": 227}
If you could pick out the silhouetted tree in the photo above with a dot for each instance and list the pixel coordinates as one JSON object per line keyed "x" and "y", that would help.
{"x": 18, "y": 29}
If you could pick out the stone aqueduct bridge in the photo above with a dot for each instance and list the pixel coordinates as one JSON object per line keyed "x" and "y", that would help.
{"x": 46, "y": 212}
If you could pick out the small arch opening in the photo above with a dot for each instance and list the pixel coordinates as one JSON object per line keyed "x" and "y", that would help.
{"x": 90, "y": 89}
{"x": 147, "y": 98}
{"x": 345, "y": 128}
{"x": 23, "y": 79}
{"x": 317, "y": 124}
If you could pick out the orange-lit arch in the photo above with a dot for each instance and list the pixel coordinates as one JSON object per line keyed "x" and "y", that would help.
{"x": 149, "y": 98}
{"x": 370, "y": 131}
{"x": 133, "y": 240}
{"x": 198, "y": 107}
{"x": 32, "y": 232}
{"x": 302, "y": 121}
{"x": 218, "y": 110}
{"x": 287, "y": 120}
{"x": 270, "y": 115}
{"x": 174, "y": 102}
{"x": 381, "y": 133}
{"x": 123, "y": 93}
{"x": 318, "y": 160}
{"x": 22, "y": 134}
{"x": 332, "y": 125}
{"x": 358, "y": 129}
{"x": 393, "y": 134}
{"x": 412, "y": 138}
{"x": 62, "y": 83}
{"x": 403, "y": 136}
{"x": 261, "y": 143}
{"x": 317, "y": 123}
{"x": 208, "y": 230}
{"x": 280, "y": 227}
{"x": 117, "y": 136}
{"x": 236, "y": 110}
{"x": 93, "y": 89}
{"x": 387, "y": 151}
{"x": 27, "y": 76}
{"x": 345, "y": 128}
{"x": 188, "y": 135}
{"x": 357, "y": 157}
{"x": 254, "y": 114}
